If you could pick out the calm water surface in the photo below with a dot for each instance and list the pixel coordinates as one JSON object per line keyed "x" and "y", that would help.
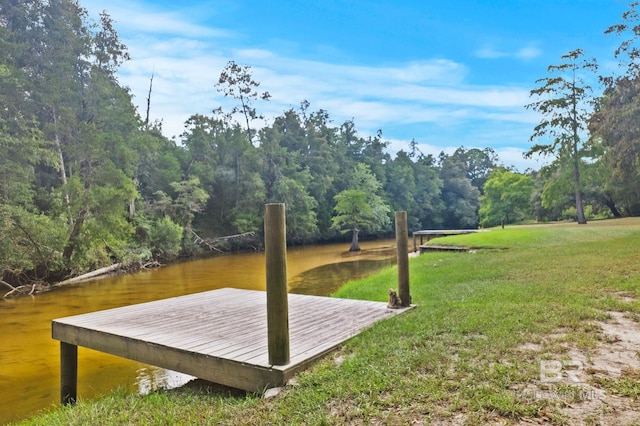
{"x": 29, "y": 377}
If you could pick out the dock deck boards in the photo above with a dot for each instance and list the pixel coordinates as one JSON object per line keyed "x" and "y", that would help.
{"x": 221, "y": 335}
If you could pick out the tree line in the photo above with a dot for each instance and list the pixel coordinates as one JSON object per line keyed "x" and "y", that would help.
{"x": 86, "y": 182}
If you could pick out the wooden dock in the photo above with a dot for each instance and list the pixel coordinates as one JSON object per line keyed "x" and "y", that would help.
{"x": 434, "y": 233}
{"x": 219, "y": 335}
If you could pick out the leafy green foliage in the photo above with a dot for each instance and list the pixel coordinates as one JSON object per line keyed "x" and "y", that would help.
{"x": 565, "y": 102}
{"x": 29, "y": 242}
{"x": 614, "y": 127}
{"x": 166, "y": 238}
{"x": 506, "y": 199}
{"x": 478, "y": 164}
{"x": 460, "y": 197}
{"x": 360, "y": 206}
{"x": 190, "y": 199}
{"x": 628, "y": 51}
{"x": 352, "y": 209}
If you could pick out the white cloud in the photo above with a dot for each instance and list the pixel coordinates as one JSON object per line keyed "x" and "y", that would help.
{"x": 513, "y": 157}
{"x": 499, "y": 97}
{"x": 135, "y": 18}
{"x": 489, "y": 53}
{"x": 374, "y": 96}
{"x": 528, "y": 53}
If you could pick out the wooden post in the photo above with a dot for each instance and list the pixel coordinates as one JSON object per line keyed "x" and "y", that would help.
{"x": 275, "y": 244}
{"x": 68, "y": 373}
{"x": 403, "y": 258}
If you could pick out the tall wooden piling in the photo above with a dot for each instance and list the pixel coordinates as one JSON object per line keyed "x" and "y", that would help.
{"x": 402, "y": 243}
{"x": 68, "y": 373}
{"x": 275, "y": 244}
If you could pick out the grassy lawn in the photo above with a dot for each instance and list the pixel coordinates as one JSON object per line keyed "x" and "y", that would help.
{"x": 467, "y": 354}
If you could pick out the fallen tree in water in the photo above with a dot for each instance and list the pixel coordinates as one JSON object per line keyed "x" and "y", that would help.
{"x": 40, "y": 286}
{"x": 211, "y": 242}
{"x": 22, "y": 289}
{"x": 102, "y": 271}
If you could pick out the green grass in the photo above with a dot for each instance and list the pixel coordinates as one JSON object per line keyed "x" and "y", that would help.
{"x": 456, "y": 357}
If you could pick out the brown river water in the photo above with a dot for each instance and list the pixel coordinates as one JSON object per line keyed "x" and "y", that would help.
{"x": 29, "y": 357}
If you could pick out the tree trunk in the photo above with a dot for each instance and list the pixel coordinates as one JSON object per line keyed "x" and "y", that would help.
{"x": 89, "y": 275}
{"x": 56, "y": 138}
{"x": 576, "y": 184}
{"x": 132, "y": 201}
{"x": 612, "y": 206}
{"x": 73, "y": 238}
{"x": 146, "y": 120}
{"x": 62, "y": 169}
{"x": 354, "y": 240}
{"x": 580, "y": 209}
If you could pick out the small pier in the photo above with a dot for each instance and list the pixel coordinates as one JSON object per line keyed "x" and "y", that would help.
{"x": 246, "y": 339}
{"x": 219, "y": 335}
{"x": 434, "y": 233}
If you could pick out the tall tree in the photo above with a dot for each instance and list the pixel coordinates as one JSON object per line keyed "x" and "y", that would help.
{"x": 565, "y": 102}
{"x": 236, "y": 81}
{"x": 321, "y": 160}
{"x": 360, "y": 206}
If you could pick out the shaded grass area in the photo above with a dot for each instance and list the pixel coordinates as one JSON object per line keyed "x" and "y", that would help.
{"x": 457, "y": 357}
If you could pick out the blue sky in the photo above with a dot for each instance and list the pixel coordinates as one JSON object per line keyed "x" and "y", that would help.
{"x": 445, "y": 73}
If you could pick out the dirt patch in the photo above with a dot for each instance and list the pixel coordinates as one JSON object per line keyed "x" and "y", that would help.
{"x": 624, "y": 296}
{"x": 622, "y": 337}
{"x": 573, "y": 383}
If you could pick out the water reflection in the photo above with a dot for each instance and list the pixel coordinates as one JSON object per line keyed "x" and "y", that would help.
{"x": 327, "y": 279}
{"x": 151, "y": 378}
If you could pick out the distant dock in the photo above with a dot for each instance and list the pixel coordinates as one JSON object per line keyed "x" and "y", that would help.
{"x": 434, "y": 233}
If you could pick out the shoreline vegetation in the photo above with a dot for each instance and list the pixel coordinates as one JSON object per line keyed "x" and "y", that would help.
{"x": 475, "y": 350}
{"x": 37, "y": 287}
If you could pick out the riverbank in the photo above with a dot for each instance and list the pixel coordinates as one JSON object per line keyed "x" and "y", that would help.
{"x": 486, "y": 325}
{"x": 42, "y": 287}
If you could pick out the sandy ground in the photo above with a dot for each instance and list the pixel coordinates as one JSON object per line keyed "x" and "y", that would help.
{"x": 573, "y": 384}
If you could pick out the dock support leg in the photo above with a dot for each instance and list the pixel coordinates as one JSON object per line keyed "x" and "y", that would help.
{"x": 68, "y": 373}
{"x": 403, "y": 258}
{"x": 275, "y": 245}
